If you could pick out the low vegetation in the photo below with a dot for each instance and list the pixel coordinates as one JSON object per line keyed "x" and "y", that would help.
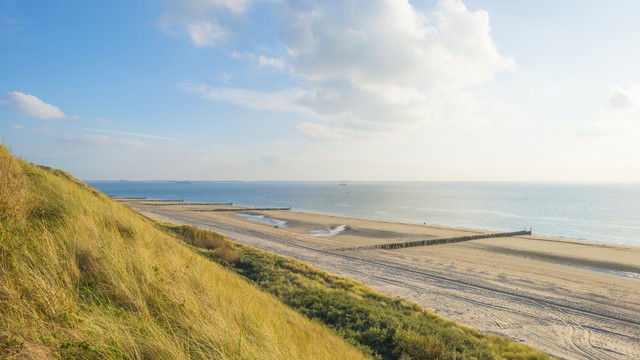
{"x": 222, "y": 248}
{"x": 385, "y": 327}
{"x": 84, "y": 277}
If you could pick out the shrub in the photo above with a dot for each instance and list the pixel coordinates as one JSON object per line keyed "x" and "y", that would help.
{"x": 411, "y": 345}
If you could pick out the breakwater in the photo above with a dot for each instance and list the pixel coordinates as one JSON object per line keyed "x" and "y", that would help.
{"x": 243, "y": 209}
{"x": 181, "y": 202}
{"x": 440, "y": 241}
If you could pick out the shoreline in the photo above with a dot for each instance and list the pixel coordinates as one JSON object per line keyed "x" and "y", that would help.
{"x": 599, "y": 265}
{"x": 463, "y": 228}
{"x": 577, "y": 241}
{"x": 532, "y": 289}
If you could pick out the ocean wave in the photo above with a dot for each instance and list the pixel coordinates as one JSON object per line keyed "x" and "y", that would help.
{"x": 627, "y": 274}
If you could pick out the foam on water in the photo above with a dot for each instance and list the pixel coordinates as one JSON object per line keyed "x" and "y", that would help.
{"x": 265, "y": 220}
{"x": 329, "y": 232}
{"x": 627, "y": 274}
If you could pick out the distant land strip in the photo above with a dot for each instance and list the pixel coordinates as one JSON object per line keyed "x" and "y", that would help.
{"x": 400, "y": 245}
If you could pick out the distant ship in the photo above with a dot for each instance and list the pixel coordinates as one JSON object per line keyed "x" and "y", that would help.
{"x": 343, "y": 184}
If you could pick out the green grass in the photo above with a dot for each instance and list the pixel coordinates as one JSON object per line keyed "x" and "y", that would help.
{"x": 84, "y": 277}
{"x": 385, "y": 327}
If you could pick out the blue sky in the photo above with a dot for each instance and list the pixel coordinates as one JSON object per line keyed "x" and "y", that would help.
{"x": 333, "y": 90}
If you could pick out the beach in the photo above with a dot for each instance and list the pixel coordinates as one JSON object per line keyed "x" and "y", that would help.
{"x": 571, "y": 299}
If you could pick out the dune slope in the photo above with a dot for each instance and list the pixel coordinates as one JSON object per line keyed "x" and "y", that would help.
{"x": 84, "y": 277}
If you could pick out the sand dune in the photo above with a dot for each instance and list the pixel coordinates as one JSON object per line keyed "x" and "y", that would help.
{"x": 571, "y": 299}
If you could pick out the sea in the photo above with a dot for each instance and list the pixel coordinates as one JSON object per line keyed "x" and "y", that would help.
{"x": 608, "y": 213}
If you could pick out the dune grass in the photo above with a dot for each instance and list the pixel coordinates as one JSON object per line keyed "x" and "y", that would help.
{"x": 84, "y": 277}
{"x": 385, "y": 327}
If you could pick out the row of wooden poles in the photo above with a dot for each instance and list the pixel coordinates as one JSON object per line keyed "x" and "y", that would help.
{"x": 442, "y": 240}
{"x": 180, "y": 202}
{"x": 243, "y": 209}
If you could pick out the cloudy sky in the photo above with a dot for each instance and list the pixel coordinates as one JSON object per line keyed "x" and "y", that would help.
{"x": 540, "y": 90}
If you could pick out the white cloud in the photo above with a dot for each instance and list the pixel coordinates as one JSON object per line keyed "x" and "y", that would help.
{"x": 264, "y": 61}
{"x": 316, "y": 132}
{"x": 621, "y": 99}
{"x": 103, "y": 120}
{"x": 620, "y": 115}
{"x": 227, "y": 149}
{"x": 286, "y": 100}
{"x": 136, "y": 135}
{"x": 198, "y": 157}
{"x": 375, "y": 66}
{"x": 201, "y": 19}
{"x": 236, "y": 6}
{"x": 383, "y": 64}
{"x": 206, "y": 33}
{"x": 92, "y": 139}
{"x": 390, "y": 42}
{"x": 33, "y": 106}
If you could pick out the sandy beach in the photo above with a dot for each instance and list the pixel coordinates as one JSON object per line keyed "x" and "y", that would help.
{"x": 571, "y": 299}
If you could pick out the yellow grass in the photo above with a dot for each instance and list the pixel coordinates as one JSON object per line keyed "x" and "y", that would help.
{"x": 84, "y": 277}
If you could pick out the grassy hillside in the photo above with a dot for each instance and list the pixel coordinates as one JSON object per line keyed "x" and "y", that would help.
{"x": 84, "y": 277}
{"x": 385, "y": 327}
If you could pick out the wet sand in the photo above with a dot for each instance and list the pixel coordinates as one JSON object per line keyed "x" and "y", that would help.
{"x": 571, "y": 299}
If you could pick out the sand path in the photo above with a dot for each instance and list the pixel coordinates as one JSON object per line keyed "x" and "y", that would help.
{"x": 560, "y": 296}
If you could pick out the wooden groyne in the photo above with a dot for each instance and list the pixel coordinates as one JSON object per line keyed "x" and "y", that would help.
{"x": 117, "y": 198}
{"x": 440, "y": 241}
{"x": 243, "y": 209}
{"x": 180, "y": 202}
{"x": 170, "y": 202}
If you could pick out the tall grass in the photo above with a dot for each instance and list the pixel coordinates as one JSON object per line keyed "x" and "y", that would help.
{"x": 84, "y": 277}
{"x": 12, "y": 182}
{"x": 207, "y": 240}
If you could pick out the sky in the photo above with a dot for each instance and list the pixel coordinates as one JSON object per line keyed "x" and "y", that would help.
{"x": 376, "y": 90}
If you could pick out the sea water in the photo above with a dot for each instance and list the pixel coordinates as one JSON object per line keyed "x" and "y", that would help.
{"x": 598, "y": 212}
